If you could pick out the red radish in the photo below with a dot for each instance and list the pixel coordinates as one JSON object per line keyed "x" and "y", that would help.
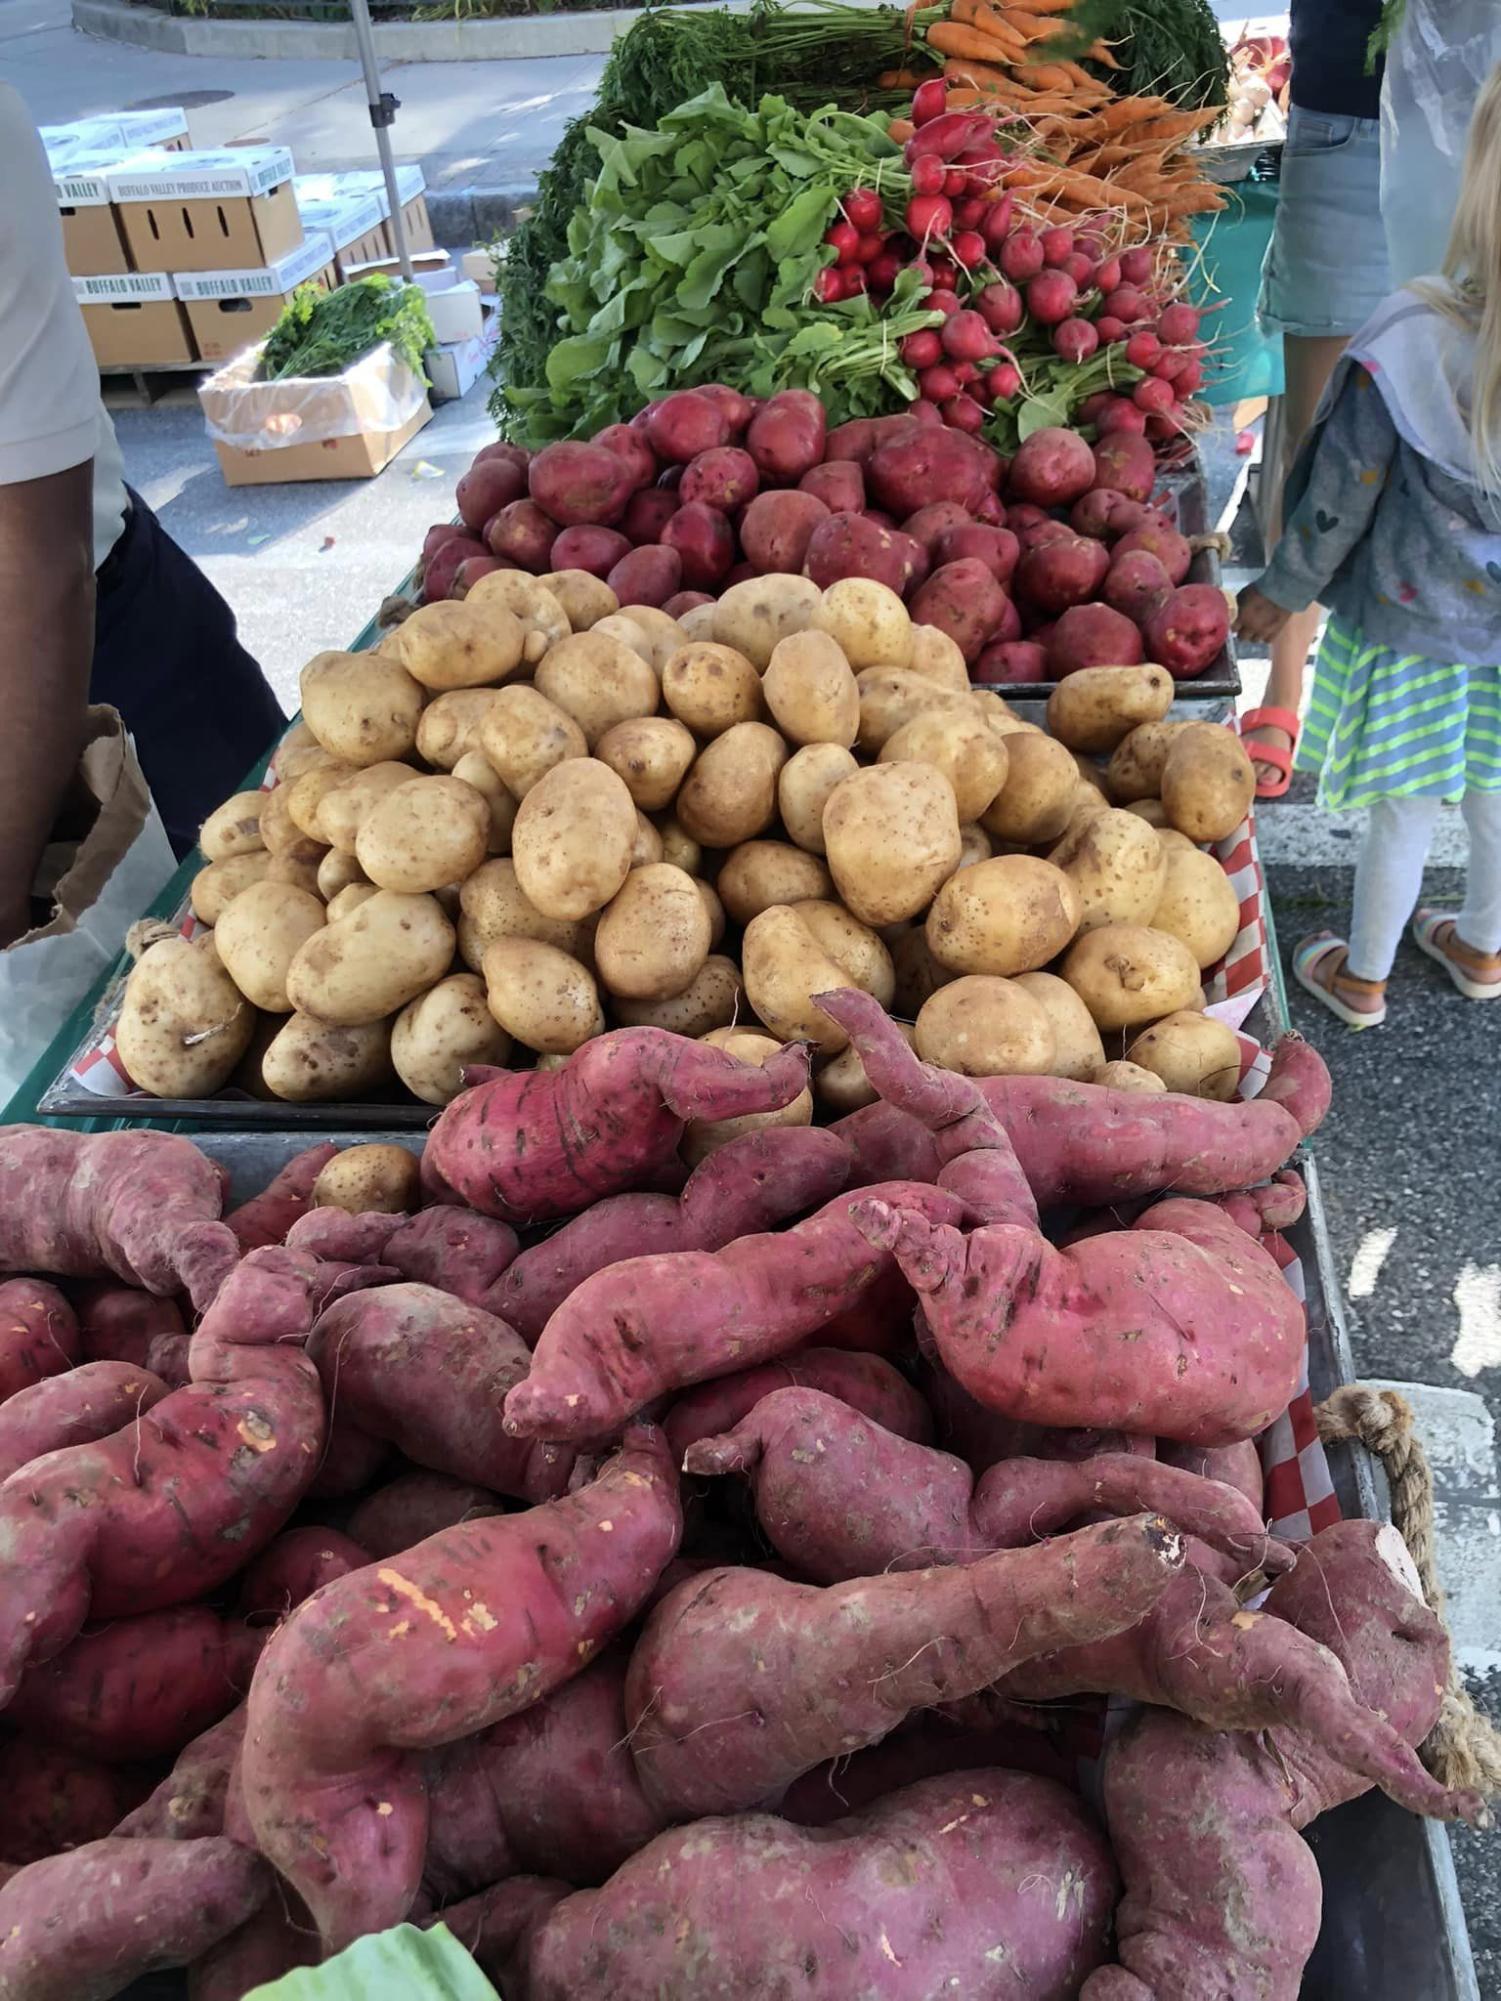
{"x": 966, "y": 373}
{"x": 1143, "y": 349}
{"x": 1079, "y": 269}
{"x": 844, "y": 240}
{"x": 929, "y": 215}
{"x": 1108, "y": 276}
{"x": 828, "y": 286}
{"x": 955, "y": 182}
{"x": 1057, "y": 245}
{"x": 862, "y": 207}
{"x": 1091, "y": 407}
{"x": 1136, "y": 584}
{"x": 471, "y": 570}
{"x": 924, "y": 413}
{"x": 1052, "y": 467}
{"x": 1051, "y": 297}
{"x": 1110, "y": 329}
{"x": 1090, "y": 243}
{"x": 1008, "y": 662}
{"x": 869, "y": 248}
{"x": 1093, "y": 635}
{"x": 1005, "y": 381}
{"x": 964, "y": 414}
{"x": 969, "y": 213}
{"x": 1177, "y": 323}
{"x": 1188, "y": 630}
{"x": 629, "y": 444}
{"x": 1126, "y": 304}
{"x": 1001, "y": 306}
{"x": 997, "y": 221}
{"x": 882, "y": 272}
{"x": 648, "y": 514}
{"x": 1191, "y": 379}
{"x": 486, "y": 488}
{"x": 967, "y": 338}
{"x": 929, "y": 101}
{"x": 927, "y": 174}
{"x": 1157, "y": 539}
{"x": 1153, "y": 394}
{"x": 1074, "y": 339}
{"x": 938, "y": 384}
{"x": 1170, "y": 364}
{"x": 942, "y": 301}
{"x": 1021, "y": 255}
{"x": 1122, "y": 415}
{"x": 725, "y": 478}
{"x": 923, "y": 348}
{"x": 854, "y": 280}
{"x": 704, "y": 541}
{"x": 1126, "y": 465}
{"x": 945, "y": 274}
{"x": 1136, "y": 265}
{"x": 969, "y": 249}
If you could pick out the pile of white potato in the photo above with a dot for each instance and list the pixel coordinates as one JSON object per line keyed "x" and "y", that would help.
{"x": 531, "y": 815}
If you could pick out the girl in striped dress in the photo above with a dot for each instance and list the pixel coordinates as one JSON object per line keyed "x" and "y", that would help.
{"x": 1394, "y": 522}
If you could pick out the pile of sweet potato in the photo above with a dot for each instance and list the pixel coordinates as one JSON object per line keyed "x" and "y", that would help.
{"x": 683, "y": 1583}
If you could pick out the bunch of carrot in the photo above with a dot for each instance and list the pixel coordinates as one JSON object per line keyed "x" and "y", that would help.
{"x": 1095, "y": 150}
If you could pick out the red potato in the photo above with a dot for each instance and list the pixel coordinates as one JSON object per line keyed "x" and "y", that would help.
{"x": 439, "y": 571}
{"x": 267, "y": 1217}
{"x": 1064, "y": 570}
{"x": 469, "y": 572}
{"x": 857, "y": 440}
{"x": 649, "y": 574}
{"x": 38, "y": 1334}
{"x": 935, "y": 1889}
{"x": 1052, "y": 468}
{"x": 1125, "y": 464}
{"x": 725, "y": 478}
{"x": 521, "y": 534}
{"x": 648, "y": 514}
{"x": 737, "y": 407}
{"x": 55, "y": 1799}
{"x": 964, "y": 600}
{"x": 749, "y": 1184}
{"x": 292, "y": 1568}
{"x": 633, "y": 451}
{"x": 456, "y": 1249}
{"x": 915, "y": 560}
{"x": 517, "y": 455}
{"x": 1159, "y": 539}
{"x": 1011, "y": 661}
{"x": 86, "y": 1925}
{"x": 849, "y": 545}
{"x": 576, "y": 484}
{"x": 143, "y": 1206}
{"x": 452, "y": 1637}
{"x": 429, "y": 1374}
{"x": 839, "y": 484}
{"x": 786, "y": 436}
{"x": 594, "y": 550}
{"x": 532, "y": 1145}
{"x": 1092, "y": 635}
{"x": 684, "y": 424}
{"x": 777, "y": 527}
{"x": 173, "y": 1506}
{"x": 445, "y": 531}
{"x": 743, "y": 1680}
{"x": 89, "y": 1402}
{"x": 997, "y": 548}
{"x": 138, "y": 1688}
{"x": 1189, "y": 629}
{"x": 1105, "y": 513}
{"x": 413, "y": 1507}
{"x": 487, "y": 487}
{"x": 903, "y": 474}
{"x": 686, "y": 601}
{"x": 704, "y": 543}
{"x": 930, "y": 524}
{"x": 652, "y": 1324}
{"x": 862, "y": 1382}
{"x": 1135, "y": 585}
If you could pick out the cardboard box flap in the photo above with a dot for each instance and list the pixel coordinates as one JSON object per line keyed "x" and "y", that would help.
{"x": 81, "y": 178}
{"x": 125, "y": 131}
{"x": 312, "y": 255}
{"x": 377, "y": 393}
{"x": 343, "y": 219}
{"x": 121, "y": 288}
{"x": 201, "y": 176}
{"x": 360, "y": 183}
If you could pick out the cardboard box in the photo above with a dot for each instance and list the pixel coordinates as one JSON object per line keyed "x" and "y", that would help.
{"x": 134, "y": 321}
{"x": 92, "y": 243}
{"x": 207, "y": 211}
{"x": 417, "y": 223}
{"x": 166, "y": 130}
{"x": 345, "y": 426}
{"x": 454, "y": 368}
{"x": 452, "y": 305}
{"x": 231, "y": 310}
{"x": 356, "y": 182}
{"x": 352, "y": 224}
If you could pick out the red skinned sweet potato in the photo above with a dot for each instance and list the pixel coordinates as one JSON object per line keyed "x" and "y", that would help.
{"x": 684, "y": 424}
{"x": 1126, "y": 464}
{"x": 1065, "y": 570}
{"x": 38, "y": 1334}
{"x": 1239, "y": 1465}
{"x": 595, "y": 550}
{"x": 742, "y": 1680}
{"x": 648, "y": 513}
{"x": 704, "y": 541}
{"x": 487, "y": 487}
{"x": 1008, "y": 661}
{"x": 1136, "y": 584}
{"x": 522, "y": 534}
{"x": 964, "y": 600}
{"x": 905, "y": 473}
{"x": 139, "y": 1688}
{"x": 456, "y": 1249}
{"x": 864, "y": 1383}
{"x": 55, "y": 1799}
{"x": 931, "y": 523}
{"x": 85, "y": 1925}
{"x": 751, "y": 1183}
{"x": 839, "y": 484}
{"x": 189, "y": 1802}
{"x": 575, "y": 483}
{"x": 652, "y": 1324}
{"x": 1189, "y": 629}
{"x": 271, "y": 1942}
{"x": 414, "y": 1506}
{"x": 1160, "y": 539}
{"x": 632, "y": 449}
{"x": 291, "y": 1569}
{"x": 649, "y": 574}
{"x": 267, "y": 1217}
{"x": 496, "y": 1926}
{"x": 786, "y": 436}
{"x": 88, "y": 1402}
{"x": 934, "y": 1887}
{"x": 997, "y": 548}
{"x": 141, "y": 1205}
{"x": 120, "y": 1323}
{"x": 777, "y": 527}
{"x": 725, "y": 478}
{"x": 1092, "y": 635}
{"x": 531, "y": 1145}
{"x": 1052, "y": 468}
{"x": 927, "y": 1747}
{"x": 453, "y": 1636}
{"x": 850, "y": 545}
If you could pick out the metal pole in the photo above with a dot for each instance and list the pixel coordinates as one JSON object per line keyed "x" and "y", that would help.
{"x": 383, "y": 108}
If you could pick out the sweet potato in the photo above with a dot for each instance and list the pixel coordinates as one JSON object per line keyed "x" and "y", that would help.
{"x": 553, "y": 1791}
{"x": 496, "y": 1926}
{"x": 159, "y": 1513}
{"x": 1222, "y": 1896}
{"x": 429, "y": 1374}
{"x": 138, "y": 1688}
{"x": 651, "y": 1324}
{"x": 271, "y": 1942}
{"x": 141, "y": 1205}
{"x": 189, "y": 1802}
{"x": 742, "y": 1680}
{"x": 291, "y": 1568}
{"x": 84, "y": 1926}
{"x": 927, "y": 1747}
{"x": 863, "y": 1382}
{"x": 38, "y": 1334}
{"x": 413, "y": 1507}
{"x": 87, "y": 1403}
{"x": 840, "y": 1496}
{"x": 267, "y": 1217}
{"x": 749, "y": 1184}
{"x": 460, "y": 1632}
{"x": 120, "y": 1323}
{"x": 455, "y": 1249}
{"x": 531, "y": 1145}
{"x": 934, "y": 1889}
{"x": 55, "y": 1799}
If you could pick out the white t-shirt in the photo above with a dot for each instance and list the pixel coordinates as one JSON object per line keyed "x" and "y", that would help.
{"x": 51, "y": 417}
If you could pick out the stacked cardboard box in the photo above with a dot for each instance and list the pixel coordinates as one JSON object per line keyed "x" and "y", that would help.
{"x": 361, "y": 183}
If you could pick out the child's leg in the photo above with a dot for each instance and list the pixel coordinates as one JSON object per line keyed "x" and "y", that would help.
{"x": 1479, "y": 922}
{"x": 1388, "y": 880}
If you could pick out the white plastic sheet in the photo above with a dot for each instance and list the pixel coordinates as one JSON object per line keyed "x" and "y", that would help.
{"x": 1440, "y": 55}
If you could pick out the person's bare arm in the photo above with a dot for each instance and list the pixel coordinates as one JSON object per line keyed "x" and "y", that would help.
{"x": 47, "y": 619}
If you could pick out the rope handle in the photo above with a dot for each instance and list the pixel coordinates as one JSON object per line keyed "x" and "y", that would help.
{"x": 1463, "y": 1749}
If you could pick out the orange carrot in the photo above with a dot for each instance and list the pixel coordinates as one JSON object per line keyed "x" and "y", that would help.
{"x": 989, "y": 20}
{"x": 900, "y": 130}
{"x": 954, "y": 39}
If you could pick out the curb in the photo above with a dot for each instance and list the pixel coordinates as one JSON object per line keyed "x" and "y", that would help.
{"x": 515, "y": 39}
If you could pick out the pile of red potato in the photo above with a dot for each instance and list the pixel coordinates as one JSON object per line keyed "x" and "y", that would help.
{"x": 1037, "y": 566}
{"x": 427, "y": 1575}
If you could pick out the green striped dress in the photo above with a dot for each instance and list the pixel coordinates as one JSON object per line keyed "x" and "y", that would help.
{"x": 1383, "y": 724}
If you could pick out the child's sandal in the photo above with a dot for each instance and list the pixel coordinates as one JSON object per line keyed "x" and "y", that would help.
{"x": 1273, "y": 754}
{"x": 1319, "y": 964}
{"x": 1477, "y": 975}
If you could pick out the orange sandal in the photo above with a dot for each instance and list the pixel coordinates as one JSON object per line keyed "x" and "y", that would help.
{"x": 1272, "y": 753}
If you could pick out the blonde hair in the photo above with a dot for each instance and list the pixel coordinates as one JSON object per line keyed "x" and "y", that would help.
{"x": 1472, "y": 265}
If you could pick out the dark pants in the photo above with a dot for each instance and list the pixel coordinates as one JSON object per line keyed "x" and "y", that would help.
{"x": 166, "y": 656}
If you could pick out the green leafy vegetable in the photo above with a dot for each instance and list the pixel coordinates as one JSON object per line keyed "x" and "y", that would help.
{"x": 323, "y": 333}
{"x": 402, "y": 1961}
{"x": 1166, "y": 48}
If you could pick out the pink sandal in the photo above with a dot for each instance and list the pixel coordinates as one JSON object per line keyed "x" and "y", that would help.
{"x": 1272, "y": 753}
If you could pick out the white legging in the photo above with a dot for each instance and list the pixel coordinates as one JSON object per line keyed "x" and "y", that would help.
{"x": 1389, "y": 878}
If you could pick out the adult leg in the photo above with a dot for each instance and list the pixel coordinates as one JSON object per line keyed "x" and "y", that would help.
{"x": 167, "y": 656}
